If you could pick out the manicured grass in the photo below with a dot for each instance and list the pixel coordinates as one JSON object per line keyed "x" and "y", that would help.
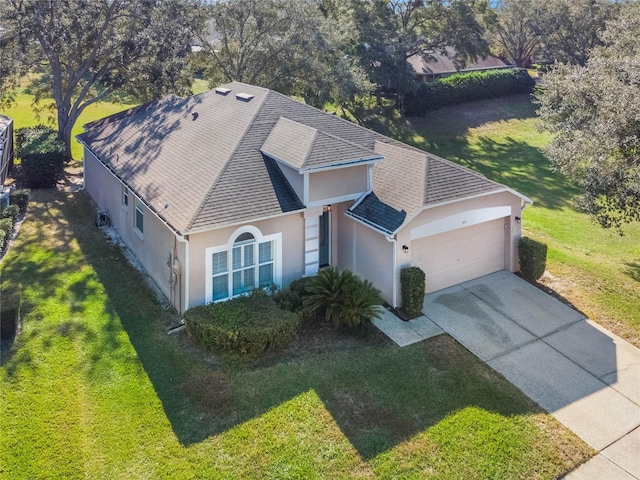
{"x": 93, "y": 387}
{"x": 24, "y": 115}
{"x": 596, "y": 270}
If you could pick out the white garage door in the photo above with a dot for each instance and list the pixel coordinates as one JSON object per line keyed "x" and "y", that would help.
{"x": 459, "y": 255}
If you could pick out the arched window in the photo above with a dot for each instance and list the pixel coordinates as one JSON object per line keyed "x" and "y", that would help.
{"x": 248, "y": 261}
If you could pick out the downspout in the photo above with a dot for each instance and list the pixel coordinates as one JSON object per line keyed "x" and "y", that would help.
{"x": 185, "y": 271}
{"x": 394, "y": 298}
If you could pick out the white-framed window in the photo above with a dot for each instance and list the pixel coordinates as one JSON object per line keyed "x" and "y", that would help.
{"x": 249, "y": 260}
{"x": 125, "y": 197}
{"x": 139, "y": 220}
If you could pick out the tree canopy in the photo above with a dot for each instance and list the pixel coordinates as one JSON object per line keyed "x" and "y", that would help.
{"x": 391, "y": 31}
{"x": 551, "y": 30}
{"x": 86, "y": 50}
{"x": 591, "y": 112}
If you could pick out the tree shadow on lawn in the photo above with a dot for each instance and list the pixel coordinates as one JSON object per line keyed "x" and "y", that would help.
{"x": 513, "y": 163}
{"x": 633, "y": 270}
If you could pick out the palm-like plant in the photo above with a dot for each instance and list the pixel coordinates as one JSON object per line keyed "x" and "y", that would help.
{"x": 342, "y": 297}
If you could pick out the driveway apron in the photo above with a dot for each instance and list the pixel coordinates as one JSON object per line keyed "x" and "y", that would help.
{"x": 586, "y": 377}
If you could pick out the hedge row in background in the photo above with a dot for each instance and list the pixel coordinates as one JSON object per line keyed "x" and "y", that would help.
{"x": 41, "y": 156}
{"x": 412, "y": 286}
{"x": 533, "y": 258}
{"x": 466, "y": 87}
{"x": 249, "y": 324}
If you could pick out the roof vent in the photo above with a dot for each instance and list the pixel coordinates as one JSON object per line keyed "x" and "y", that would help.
{"x": 245, "y": 97}
{"x": 222, "y": 90}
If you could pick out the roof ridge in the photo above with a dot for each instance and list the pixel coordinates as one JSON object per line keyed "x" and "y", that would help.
{"x": 344, "y": 140}
{"x": 313, "y": 143}
{"x": 130, "y": 111}
{"x": 227, "y": 162}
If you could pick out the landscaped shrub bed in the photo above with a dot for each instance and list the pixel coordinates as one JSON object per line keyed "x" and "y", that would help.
{"x": 533, "y": 258}
{"x": 466, "y": 87}
{"x": 11, "y": 211}
{"x": 249, "y": 324}
{"x": 20, "y": 197}
{"x": 6, "y": 226}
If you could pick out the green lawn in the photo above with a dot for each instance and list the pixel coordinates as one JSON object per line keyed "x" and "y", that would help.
{"x": 93, "y": 387}
{"x": 23, "y": 113}
{"x": 596, "y": 270}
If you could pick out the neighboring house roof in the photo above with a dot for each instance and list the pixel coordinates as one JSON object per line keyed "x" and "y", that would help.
{"x": 211, "y": 158}
{"x": 444, "y": 64}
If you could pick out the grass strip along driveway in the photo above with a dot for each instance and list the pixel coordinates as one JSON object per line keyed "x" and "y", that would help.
{"x": 93, "y": 387}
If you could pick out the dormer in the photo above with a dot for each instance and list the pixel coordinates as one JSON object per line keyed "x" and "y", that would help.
{"x": 320, "y": 167}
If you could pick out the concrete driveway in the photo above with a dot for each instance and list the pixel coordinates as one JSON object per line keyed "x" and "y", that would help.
{"x": 586, "y": 377}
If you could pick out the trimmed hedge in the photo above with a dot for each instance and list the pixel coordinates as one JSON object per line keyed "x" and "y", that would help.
{"x": 412, "y": 285}
{"x": 467, "y": 87}
{"x": 20, "y": 197}
{"x": 10, "y": 298}
{"x": 249, "y": 324}
{"x": 533, "y": 258}
{"x": 41, "y": 155}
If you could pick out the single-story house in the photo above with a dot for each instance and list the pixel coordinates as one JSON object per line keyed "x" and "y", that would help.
{"x": 241, "y": 187}
{"x": 6, "y": 147}
{"x": 442, "y": 65}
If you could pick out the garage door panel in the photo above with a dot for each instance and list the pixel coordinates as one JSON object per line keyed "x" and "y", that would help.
{"x": 460, "y": 255}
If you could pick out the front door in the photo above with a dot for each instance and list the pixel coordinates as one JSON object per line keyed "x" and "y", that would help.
{"x": 325, "y": 239}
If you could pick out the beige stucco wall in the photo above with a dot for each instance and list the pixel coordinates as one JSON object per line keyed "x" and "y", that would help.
{"x": 290, "y": 226}
{"x": 337, "y": 183}
{"x": 366, "y": 252}
{"x": 152, "y": 248}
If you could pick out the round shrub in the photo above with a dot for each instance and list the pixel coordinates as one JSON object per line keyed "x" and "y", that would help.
{"x": 11, "y": 211}
{"x": 249, "y": 324}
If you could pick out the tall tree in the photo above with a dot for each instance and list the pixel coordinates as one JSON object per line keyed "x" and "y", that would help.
{"x": 514, "y": 30}
{"x": 90, "y": 49}
{"x": 10, "y": 65}
{"x": 297, "y": 47}
{"x": 391, "y": 31}
{"x": 568, "y": 29}
{"x": 262, "y": 42}
{"x": 590, "y": 110}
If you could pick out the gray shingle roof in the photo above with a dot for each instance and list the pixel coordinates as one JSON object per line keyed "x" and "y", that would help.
{"x": 306, "y": 148}
{"x": 203, "y": 156}
{"x": 444, "y": 64}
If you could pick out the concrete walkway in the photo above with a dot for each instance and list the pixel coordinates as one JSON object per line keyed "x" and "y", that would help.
{"x": 586, "y": 377}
